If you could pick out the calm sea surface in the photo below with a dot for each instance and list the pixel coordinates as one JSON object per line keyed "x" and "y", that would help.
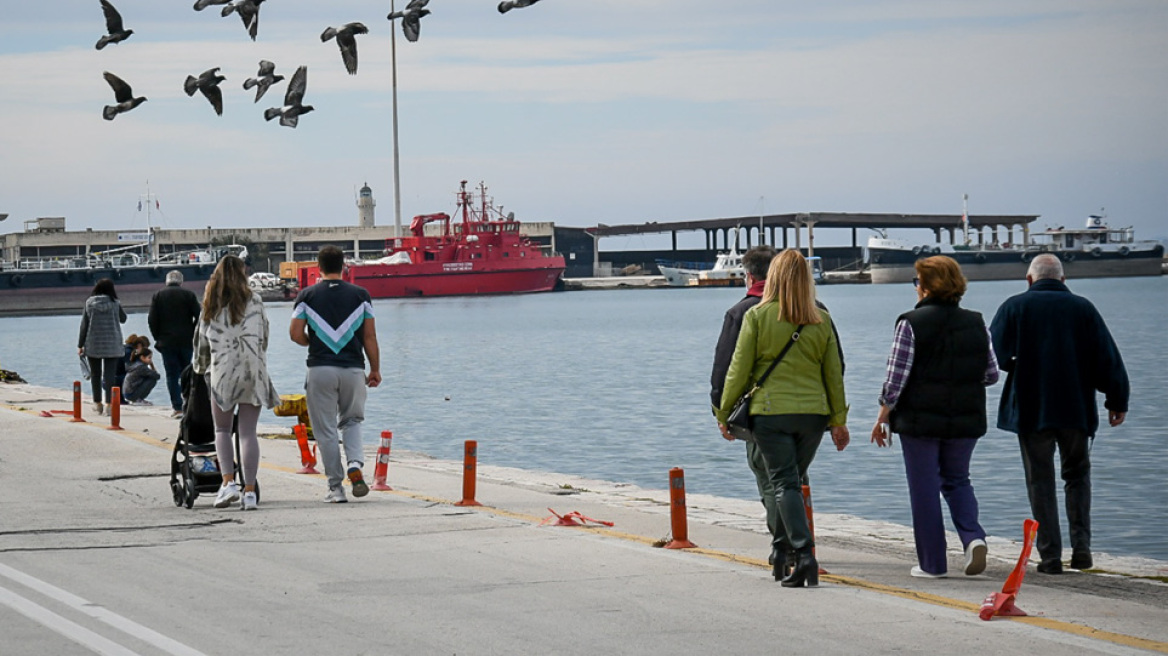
{"x": 614, "y": 385}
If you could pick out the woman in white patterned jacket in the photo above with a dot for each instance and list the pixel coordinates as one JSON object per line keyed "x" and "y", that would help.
{"x": 231, "y": 339}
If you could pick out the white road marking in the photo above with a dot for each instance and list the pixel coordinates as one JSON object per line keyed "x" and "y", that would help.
{"x": 67, "y": 628}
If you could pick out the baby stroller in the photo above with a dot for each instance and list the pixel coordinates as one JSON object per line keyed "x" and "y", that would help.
{"x": 194, "y": 467}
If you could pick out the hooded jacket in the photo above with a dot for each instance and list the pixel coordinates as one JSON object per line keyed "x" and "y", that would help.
{"x": 101, "y": 328}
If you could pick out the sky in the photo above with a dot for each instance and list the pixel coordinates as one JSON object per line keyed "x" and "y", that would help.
{"x": 597, "y": 111}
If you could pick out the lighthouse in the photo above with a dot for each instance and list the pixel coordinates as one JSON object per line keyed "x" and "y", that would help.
{"x": 365, "y": 205}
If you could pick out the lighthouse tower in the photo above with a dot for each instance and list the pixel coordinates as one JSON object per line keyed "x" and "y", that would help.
{"x": 365, "y": 205}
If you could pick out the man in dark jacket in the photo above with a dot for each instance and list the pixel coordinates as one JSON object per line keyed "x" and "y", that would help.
{"x": 173, "y": 314}
{"x": 1058, "y": 353}
{"x": 756, "y": 262}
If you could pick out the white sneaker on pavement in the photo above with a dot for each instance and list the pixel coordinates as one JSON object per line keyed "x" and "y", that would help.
{"x": 228, "y": 494}
{"x": 975, "y": 557}
{"x": 922, "y": 574}
{"x": 249, "y": 501}
{"x": 336, "y": 495}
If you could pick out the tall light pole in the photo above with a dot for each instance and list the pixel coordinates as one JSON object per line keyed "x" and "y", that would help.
{"x": 397, "y": 221}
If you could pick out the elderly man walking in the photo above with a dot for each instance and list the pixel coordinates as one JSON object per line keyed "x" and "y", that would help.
{"x": 1058, "y": 353}
{"x": 173, "y": 314}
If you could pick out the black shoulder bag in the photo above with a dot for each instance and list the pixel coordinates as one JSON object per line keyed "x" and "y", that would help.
{"x": 740, "y": 423}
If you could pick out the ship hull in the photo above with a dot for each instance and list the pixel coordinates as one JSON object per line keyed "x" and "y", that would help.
{"x": 454, "y": 279}
{"x": 63, "y": 291}
{"x": 890, "y": 265}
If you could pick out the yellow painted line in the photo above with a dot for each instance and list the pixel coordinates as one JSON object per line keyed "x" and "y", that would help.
{"x": 903, "y": 593}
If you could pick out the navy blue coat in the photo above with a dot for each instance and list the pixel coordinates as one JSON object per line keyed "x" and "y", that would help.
{"x": 1058, "y": 353}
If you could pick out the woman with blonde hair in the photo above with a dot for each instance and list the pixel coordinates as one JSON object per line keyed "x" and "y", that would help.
{"x": 803, "y": 395}
{"x": 231, "y": 339}
{"x": 934, "y": 396}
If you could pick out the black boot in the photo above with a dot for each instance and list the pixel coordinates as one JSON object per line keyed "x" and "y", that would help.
{"x": 782, "y": 563}
{"x": 805, "y": 572}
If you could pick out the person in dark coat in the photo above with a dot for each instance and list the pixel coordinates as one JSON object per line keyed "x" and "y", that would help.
{"x": 173, "y": 314}
{"x": 1058, "y": 352}
{"x": 100, "y": 340}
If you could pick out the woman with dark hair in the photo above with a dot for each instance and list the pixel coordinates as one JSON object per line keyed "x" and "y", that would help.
{"x": 934, "y": 397}
{"x": 802, "y": 397}
{"x": 231, "y": 339}
{"x": 101, "y": 340}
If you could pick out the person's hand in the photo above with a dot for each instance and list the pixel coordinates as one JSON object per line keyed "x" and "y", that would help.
{"x": 81, "y": 351}
{"x": 841, "y": 437}
{"x": 373, "y": 379}
{"x": 881, "y": 435}
{"x": 1115, "y": 418}
{"x": 725, "y": 433}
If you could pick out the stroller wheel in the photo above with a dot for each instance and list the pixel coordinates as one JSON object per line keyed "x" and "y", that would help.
{"x": 189, "y": 491}
{"x": 176, "y": 489}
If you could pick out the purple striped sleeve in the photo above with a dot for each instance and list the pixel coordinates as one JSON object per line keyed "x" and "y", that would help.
{"x": 900, "y": 362}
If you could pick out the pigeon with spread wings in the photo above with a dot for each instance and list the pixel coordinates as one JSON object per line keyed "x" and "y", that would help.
{"x": 207, "y": 82}
{"x": 347, "y": 42}
{"x": 123, "y": 94}
{"x": 116, "y": 33}
{"x": 249, "y": 13}
{"x": 264, "y": 79}
{"x": 411, "y": 18}
{"x": 293, "y": 101}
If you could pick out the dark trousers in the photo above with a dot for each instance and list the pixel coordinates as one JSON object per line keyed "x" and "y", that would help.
{"x": 103, "y": 376}
{"x": 788, "y": 444}
{"x": 174, "y": 360}
{"x": 1038, "y": 461}
{"x": 935, "y": 468}
{"x": 766, "y": 492}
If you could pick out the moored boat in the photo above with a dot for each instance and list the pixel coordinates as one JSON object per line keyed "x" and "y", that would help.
{"x": 484, "y": 253}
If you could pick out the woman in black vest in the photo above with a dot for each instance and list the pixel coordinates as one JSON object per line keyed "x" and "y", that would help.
{"x": 934, "y": 397}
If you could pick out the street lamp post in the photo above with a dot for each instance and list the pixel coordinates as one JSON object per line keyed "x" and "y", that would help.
{"x": 397, "y": 220}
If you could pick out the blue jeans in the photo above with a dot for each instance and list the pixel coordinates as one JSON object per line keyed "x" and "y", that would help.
{"x": 938, "y": 467}
{"x": 174, "y": 360}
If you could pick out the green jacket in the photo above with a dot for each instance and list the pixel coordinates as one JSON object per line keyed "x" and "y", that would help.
{"x": 809, "y": 380}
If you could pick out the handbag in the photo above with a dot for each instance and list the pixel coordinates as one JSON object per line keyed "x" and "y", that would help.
{"x": 740, "y": 424}
{"x": 85, "y": 373}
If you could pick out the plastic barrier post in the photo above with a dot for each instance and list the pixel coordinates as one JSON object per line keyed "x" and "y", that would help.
{"x": 381, "y": 470}
{"x": 469, "y": 467}
{"x": 677, "y": 511}
{"x": 115, "y": 408}
{"x": 77, "y": 402}
{"x": 307, "y": 459}
{"x": 811, "y": 518}
{"x": 1002, "y": 603}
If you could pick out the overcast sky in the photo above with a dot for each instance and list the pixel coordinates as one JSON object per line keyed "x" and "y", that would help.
{"x": 587, "y": 111}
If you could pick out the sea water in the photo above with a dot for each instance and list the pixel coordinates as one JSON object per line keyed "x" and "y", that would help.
{"x": 614, "y": 385}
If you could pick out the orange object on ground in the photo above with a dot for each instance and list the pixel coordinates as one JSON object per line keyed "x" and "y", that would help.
{"x": 307, "y": 457}
{"x": 470, "y": 461}
{"x": 1002, "y": 603}
{"x": 811, "y": 519}
{"x": 77, "y": 402}
{"x": 677, "y": 511}
{"x": 381, "y": 470}
{"x": 573, "y": 518}
{"x": 115, "y": 408}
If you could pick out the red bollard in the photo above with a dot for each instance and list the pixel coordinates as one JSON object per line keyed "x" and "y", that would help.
{"x": 307, "y": 459}
{"x": 677, "y": 511}
{"x": 469, "y": 466}
{"x": 811, "y": 519}
{"x": 115, "y": 408}
{"x": 381, "y": 470}
{"x": 77, "y": 402}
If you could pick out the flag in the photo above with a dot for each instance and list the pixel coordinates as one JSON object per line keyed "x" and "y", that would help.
{"x": 139, "y": 206}
{"x": 156, "y": 205}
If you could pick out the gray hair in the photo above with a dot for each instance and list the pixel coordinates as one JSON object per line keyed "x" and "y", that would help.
{"x": 1045, "y": 267}
{"x": 174, "y": 278}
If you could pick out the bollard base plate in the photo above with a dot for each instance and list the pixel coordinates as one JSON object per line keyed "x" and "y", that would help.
{"x": 114, "y": 428}
{"x": 681, "y": 544}
{"x": 468, "y": 502}
{"x": 381, "y": 487}
{"x": 307, "y": 470}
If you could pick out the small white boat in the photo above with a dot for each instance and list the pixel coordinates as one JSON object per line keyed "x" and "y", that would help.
{"x": 727, "y": 270}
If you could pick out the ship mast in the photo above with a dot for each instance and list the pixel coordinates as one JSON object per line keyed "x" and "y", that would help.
{"x": 150, "y": 198}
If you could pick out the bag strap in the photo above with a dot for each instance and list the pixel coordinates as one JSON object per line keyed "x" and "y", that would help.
{"x": 775, "y": 363}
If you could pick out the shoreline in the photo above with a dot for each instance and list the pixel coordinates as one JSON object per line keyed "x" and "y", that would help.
{"x": 869, "y": 536}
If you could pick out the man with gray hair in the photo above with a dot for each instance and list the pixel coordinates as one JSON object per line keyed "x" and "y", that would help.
{"x": 1058, "y": 353}
{"x": 174, "y": 312}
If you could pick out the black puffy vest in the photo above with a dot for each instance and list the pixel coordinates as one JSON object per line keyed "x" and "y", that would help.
{"x": 945, "y": 392}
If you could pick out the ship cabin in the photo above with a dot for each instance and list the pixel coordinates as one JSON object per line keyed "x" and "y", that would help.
{"x": 1096, "y": 233}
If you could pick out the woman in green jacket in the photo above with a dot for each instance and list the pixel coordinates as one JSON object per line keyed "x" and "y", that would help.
{"x": 803, "y": 395}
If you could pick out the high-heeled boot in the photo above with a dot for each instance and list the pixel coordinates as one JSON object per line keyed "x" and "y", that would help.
{"x": 805, "y": 572}
{"x": 782, "y": 563}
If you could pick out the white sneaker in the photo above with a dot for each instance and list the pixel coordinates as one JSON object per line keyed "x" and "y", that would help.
{"x": 249, "y": 501}
{"x": 336, "y": 495}
{"x": 98, "y": 408}
{"x": 228, "y": 494}
{"x": 922, "y": 574}
{"x": 975, "y": 557}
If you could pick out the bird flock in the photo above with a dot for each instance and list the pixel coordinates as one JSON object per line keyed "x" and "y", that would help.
{"x": 207, "y": 82}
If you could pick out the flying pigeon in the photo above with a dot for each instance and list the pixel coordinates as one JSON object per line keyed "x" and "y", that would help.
{"x": 347, "y": 41}
{"x": 508, "y": 5}
{"x": 200, "y": 5}
{"x": 249, "y": 12}
{"x": 207, "y": 82}
{"x": 264, "y": 79}
{"x": 290, "y": 113}
{"x": 113, "y": 25}
{"x": 411, "y": 18}
{"x": 123, "y": 94}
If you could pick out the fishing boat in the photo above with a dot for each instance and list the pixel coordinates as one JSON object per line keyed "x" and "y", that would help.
{"x": 1094, "y": 251}
{"x": 484, "y": 253}
{"x": 726, "y": 271}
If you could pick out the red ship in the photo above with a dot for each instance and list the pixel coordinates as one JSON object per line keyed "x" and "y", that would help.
{"x": 484, "y": 254}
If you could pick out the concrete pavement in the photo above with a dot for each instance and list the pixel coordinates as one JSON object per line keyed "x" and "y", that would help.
{"x": 95, "y": 558}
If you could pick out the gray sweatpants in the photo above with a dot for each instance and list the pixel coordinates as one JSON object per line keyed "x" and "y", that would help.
{"x": 336, "y": 400}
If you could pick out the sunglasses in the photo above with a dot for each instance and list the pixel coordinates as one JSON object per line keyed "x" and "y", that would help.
{"x": 916, "y": 282}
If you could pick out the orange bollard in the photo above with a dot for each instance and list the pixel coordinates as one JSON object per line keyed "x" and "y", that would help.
{"x": 307, "y": 459}
{"x": 811, "y": 519}
{"x": 115, "y": 408}
{"x": 381, "y": 470}
{"x": 677, "y": 511}
{"x": 77, "y": 402}
{"x": 1002, "y": 603}
{"x": 469, "y": 466}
